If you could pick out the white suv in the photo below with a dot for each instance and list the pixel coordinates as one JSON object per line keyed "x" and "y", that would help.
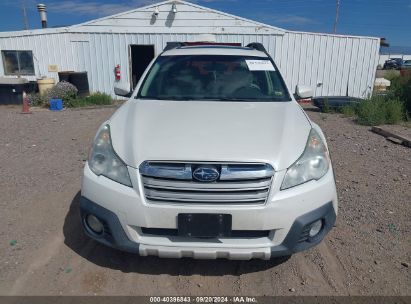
{"x": 211, "y": 157}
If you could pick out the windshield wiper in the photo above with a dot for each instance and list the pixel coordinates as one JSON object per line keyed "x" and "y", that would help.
{"x": 230, "y": 99}
{"x": 165, "y": 97}
{"x": 176, "y": 98}
{"x": 184, "y": 98}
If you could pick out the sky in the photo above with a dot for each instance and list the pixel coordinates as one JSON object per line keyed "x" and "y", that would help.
{"x": 378, "y": 18}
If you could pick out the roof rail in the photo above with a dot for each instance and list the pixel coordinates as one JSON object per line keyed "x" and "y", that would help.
{"x": 173, "y": 45}
{"x": 257, "y": 46}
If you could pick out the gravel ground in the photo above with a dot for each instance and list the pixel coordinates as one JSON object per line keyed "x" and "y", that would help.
{"x": 44, "y": 251}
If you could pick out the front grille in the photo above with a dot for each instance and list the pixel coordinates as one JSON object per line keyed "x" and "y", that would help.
{"x": 236, "y": 183}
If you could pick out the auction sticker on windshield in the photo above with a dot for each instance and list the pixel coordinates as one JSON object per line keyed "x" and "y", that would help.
{"x": 260, "y": 65}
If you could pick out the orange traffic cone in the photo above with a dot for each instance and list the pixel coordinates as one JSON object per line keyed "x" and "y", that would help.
{"x": 26, "y": 105}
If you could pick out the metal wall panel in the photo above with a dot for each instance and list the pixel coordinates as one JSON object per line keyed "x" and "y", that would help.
{"x": 332, "y": 65}
{"x": 47, "y": 50}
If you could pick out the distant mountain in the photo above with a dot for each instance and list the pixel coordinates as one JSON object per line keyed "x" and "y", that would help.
{"x": 400, "y": 50}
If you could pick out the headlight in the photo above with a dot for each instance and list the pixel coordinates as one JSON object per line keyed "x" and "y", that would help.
{"x": 104, "y": 161}
{"x": 312, "y": 164}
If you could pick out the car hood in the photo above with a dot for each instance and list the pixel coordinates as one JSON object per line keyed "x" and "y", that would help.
{"x": 263, "y": 132}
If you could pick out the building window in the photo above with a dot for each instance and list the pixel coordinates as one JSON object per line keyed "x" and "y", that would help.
{"x": 18, "y": 62}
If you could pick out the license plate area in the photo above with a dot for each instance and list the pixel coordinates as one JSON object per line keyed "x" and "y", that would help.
{"x": 204, "y": 225}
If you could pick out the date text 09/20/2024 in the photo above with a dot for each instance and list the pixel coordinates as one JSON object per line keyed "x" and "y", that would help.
{"x": 203, "y": 299}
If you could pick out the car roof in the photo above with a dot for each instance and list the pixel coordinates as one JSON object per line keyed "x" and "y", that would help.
{"x": 214, "y": 50}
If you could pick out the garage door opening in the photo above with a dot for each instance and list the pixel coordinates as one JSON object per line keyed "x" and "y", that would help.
{"x": 140, "y": 57}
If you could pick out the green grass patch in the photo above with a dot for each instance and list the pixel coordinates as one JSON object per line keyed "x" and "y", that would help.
{"x": 395, "y": 112}
{"x": 348, "y": 111}
{"x": 92, "y": 100}
{"x": 401, "y": 89}
{"x": 326, "y": 107}
{"x": 380, "y": 110}
{"x": 392, "y": 108}
{"x": 95, "y": 99}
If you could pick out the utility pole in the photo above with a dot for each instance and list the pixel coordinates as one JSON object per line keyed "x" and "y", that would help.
{"x": 25, "y": 20}
{"x": 337, "y": 12}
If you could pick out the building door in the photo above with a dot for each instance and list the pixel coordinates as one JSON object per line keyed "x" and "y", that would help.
{"x": 140, "y": 57}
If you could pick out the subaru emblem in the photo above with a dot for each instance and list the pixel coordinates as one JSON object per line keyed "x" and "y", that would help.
{"x": 206, "y": 174}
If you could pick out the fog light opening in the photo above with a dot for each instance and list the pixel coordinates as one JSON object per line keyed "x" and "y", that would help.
{"x": 316, "y": 227}
{"x": 94, "y": 224}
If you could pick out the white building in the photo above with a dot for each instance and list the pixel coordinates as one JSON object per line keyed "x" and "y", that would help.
{"x": 331, "y": 64}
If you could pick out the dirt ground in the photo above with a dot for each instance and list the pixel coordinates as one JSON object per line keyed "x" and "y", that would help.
{"x": 43, "y": 250}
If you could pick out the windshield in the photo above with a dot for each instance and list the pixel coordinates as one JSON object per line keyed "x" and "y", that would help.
{"x": 213, "y": 77}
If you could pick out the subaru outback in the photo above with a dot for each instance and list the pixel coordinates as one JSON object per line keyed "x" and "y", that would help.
{"x": 211, "y": 157}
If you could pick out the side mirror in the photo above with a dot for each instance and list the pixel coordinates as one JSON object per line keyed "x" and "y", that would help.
{"x": 303, "y": 91}
{"x": 122, "y": 89}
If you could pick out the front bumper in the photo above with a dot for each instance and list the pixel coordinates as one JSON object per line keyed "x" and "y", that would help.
{"x": 125, "y": 213}
{"x": 114, "y": 236}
